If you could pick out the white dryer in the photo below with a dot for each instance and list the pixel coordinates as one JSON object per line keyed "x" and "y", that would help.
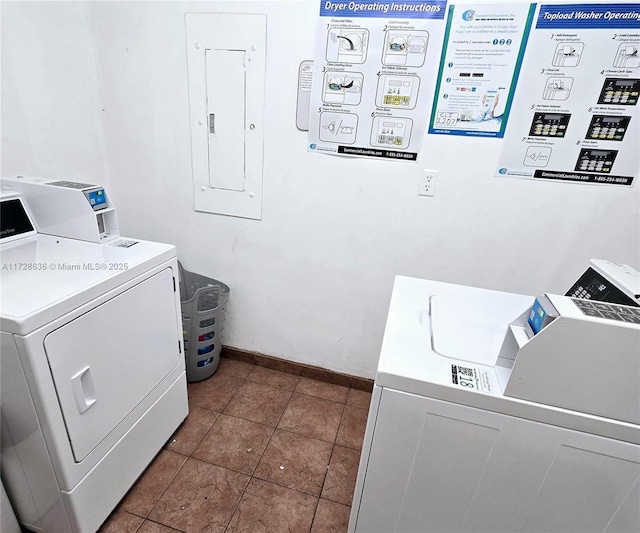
{"x": 92, "y": 371}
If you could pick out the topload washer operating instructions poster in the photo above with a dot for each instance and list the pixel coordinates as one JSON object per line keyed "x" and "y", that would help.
{"x": 575, "y": 115}
{"x": 375, "y": 67}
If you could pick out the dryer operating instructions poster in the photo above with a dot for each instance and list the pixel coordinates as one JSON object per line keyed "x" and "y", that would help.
{"x": 575, "y": 115}
{"x": 375, "y": 67}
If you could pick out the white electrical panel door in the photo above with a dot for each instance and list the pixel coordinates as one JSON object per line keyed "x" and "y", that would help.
{"x": 226, "y": 57}
{"x": 225, "y": 106}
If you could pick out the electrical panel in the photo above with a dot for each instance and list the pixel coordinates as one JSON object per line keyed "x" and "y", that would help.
{"x": 226, "y": 56}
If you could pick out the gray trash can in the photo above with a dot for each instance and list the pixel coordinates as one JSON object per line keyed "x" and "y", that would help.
{"x": 204, "y": 303}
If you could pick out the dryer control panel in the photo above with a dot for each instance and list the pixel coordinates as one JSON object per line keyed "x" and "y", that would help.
{"x": 65, "y": 208}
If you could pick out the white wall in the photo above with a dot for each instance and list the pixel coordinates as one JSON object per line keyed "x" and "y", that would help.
{"x": 51, "y": 122}
{"x": 311, "y": 281}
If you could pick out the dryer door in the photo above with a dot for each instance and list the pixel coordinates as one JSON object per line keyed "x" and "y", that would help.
{"x": 106, "y": 361}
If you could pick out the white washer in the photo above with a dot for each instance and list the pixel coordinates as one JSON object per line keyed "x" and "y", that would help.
{"x": 93, "y": 376}
{"x": 445, "y": 450}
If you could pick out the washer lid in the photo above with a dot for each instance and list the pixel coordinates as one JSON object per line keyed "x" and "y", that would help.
{"x": 471, "y": 328}
{"x": 44, "y": 277}
{"x": 410, "y": 363}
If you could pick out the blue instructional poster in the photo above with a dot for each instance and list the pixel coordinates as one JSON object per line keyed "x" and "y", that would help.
{"x": 373, "y": 77}
{"x": 481, "y": 57}
{"x": 575, "y": 117}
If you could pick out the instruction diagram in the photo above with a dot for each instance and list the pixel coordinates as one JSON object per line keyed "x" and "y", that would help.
{"x": 405, "y": 48}
{"x": 620, "y": 91}
{"x": 400, "y": 92}
{"x": 391, "y": 132}
{"x": 608, "y": 127}
{"x": 549, "y": 124}
{"x": 338, "y": 127}
{"x": 576, "y": 116}
{"x": 347, "y": 45}
{"x": 479, "y": 68}
{"x": 342, "y": 87}
{"x": 567, "y": 55}
{"x": 373, "y": 76}
{"x": 557, "y": 88}
{"x": 627, "y": 56}
{"x": 537, "y": 156}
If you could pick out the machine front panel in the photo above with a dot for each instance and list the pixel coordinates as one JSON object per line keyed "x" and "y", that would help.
{"x": 104, "y": 363}
{"x": 464, "y": 470}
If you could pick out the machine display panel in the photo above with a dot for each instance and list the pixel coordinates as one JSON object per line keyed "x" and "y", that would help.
{"x": 596, "y": 160}
{"x": 13, "y": 219}
{"x": 549, "y": 124}
{"x": 594, "y": 286}
{"x": 620, "y": 91}
{"x": 610, "y": 128}
{"x": 97, "y": 199}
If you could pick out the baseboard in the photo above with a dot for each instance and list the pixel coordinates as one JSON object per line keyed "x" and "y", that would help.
{"x": 299, "y": 369}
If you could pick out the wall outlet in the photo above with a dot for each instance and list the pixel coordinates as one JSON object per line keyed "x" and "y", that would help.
{"x": 428, "y": 182}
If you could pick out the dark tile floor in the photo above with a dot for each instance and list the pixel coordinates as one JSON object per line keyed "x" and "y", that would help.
{"x": 261, "y": 451}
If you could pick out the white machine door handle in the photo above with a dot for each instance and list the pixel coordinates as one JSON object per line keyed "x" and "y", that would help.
{"x": 84, "y": 390}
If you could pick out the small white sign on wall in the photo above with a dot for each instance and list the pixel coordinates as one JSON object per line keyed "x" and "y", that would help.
{"x": 305, "y": 79}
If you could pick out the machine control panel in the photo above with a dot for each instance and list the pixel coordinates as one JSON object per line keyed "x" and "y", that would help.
{"x": 549, "y": 124}
{"x": 97, "y": 198}
{"x": 124, "y": 243}
{"x": 622, "y": 91}
{"x": 65, "y": 208}
{"x": 623, "y": 313}
{"x": 610, "y": 128}
{"x": 71, "y": 185}
{"x": 596, "y": 160}
{"x": 605, "y": 281}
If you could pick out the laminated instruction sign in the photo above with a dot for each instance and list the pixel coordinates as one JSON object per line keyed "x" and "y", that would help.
{"x": 575, "y": 116}
{"x": 373, "y": 77}
{"x": 481, "y": 58}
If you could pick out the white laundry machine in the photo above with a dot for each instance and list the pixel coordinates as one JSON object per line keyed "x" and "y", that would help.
{"x": 496, "y": 412}
{"x": 92, "y": 370}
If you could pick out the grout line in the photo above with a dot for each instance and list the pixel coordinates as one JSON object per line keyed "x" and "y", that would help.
{"x": 264, "y": 451}
{"x": 313, "y": 518}
{"x": 159, "y": 523}
{"x": 333, "y": 448}
{"x": 218, "y": 413}
{"x": 190, "y": 456}
{"x": 165, "y": 489}
{"x": 252, "y": 476}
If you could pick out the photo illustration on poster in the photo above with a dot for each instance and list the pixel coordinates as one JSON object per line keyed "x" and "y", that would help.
{"x": 373, "y": 75}
{"x": 575, "y": 116}
{"x": 481, "y": 57}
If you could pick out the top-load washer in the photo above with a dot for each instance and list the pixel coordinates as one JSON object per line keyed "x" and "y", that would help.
{"x": 501, "y": 412}
{"x": 93, "y": 373}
